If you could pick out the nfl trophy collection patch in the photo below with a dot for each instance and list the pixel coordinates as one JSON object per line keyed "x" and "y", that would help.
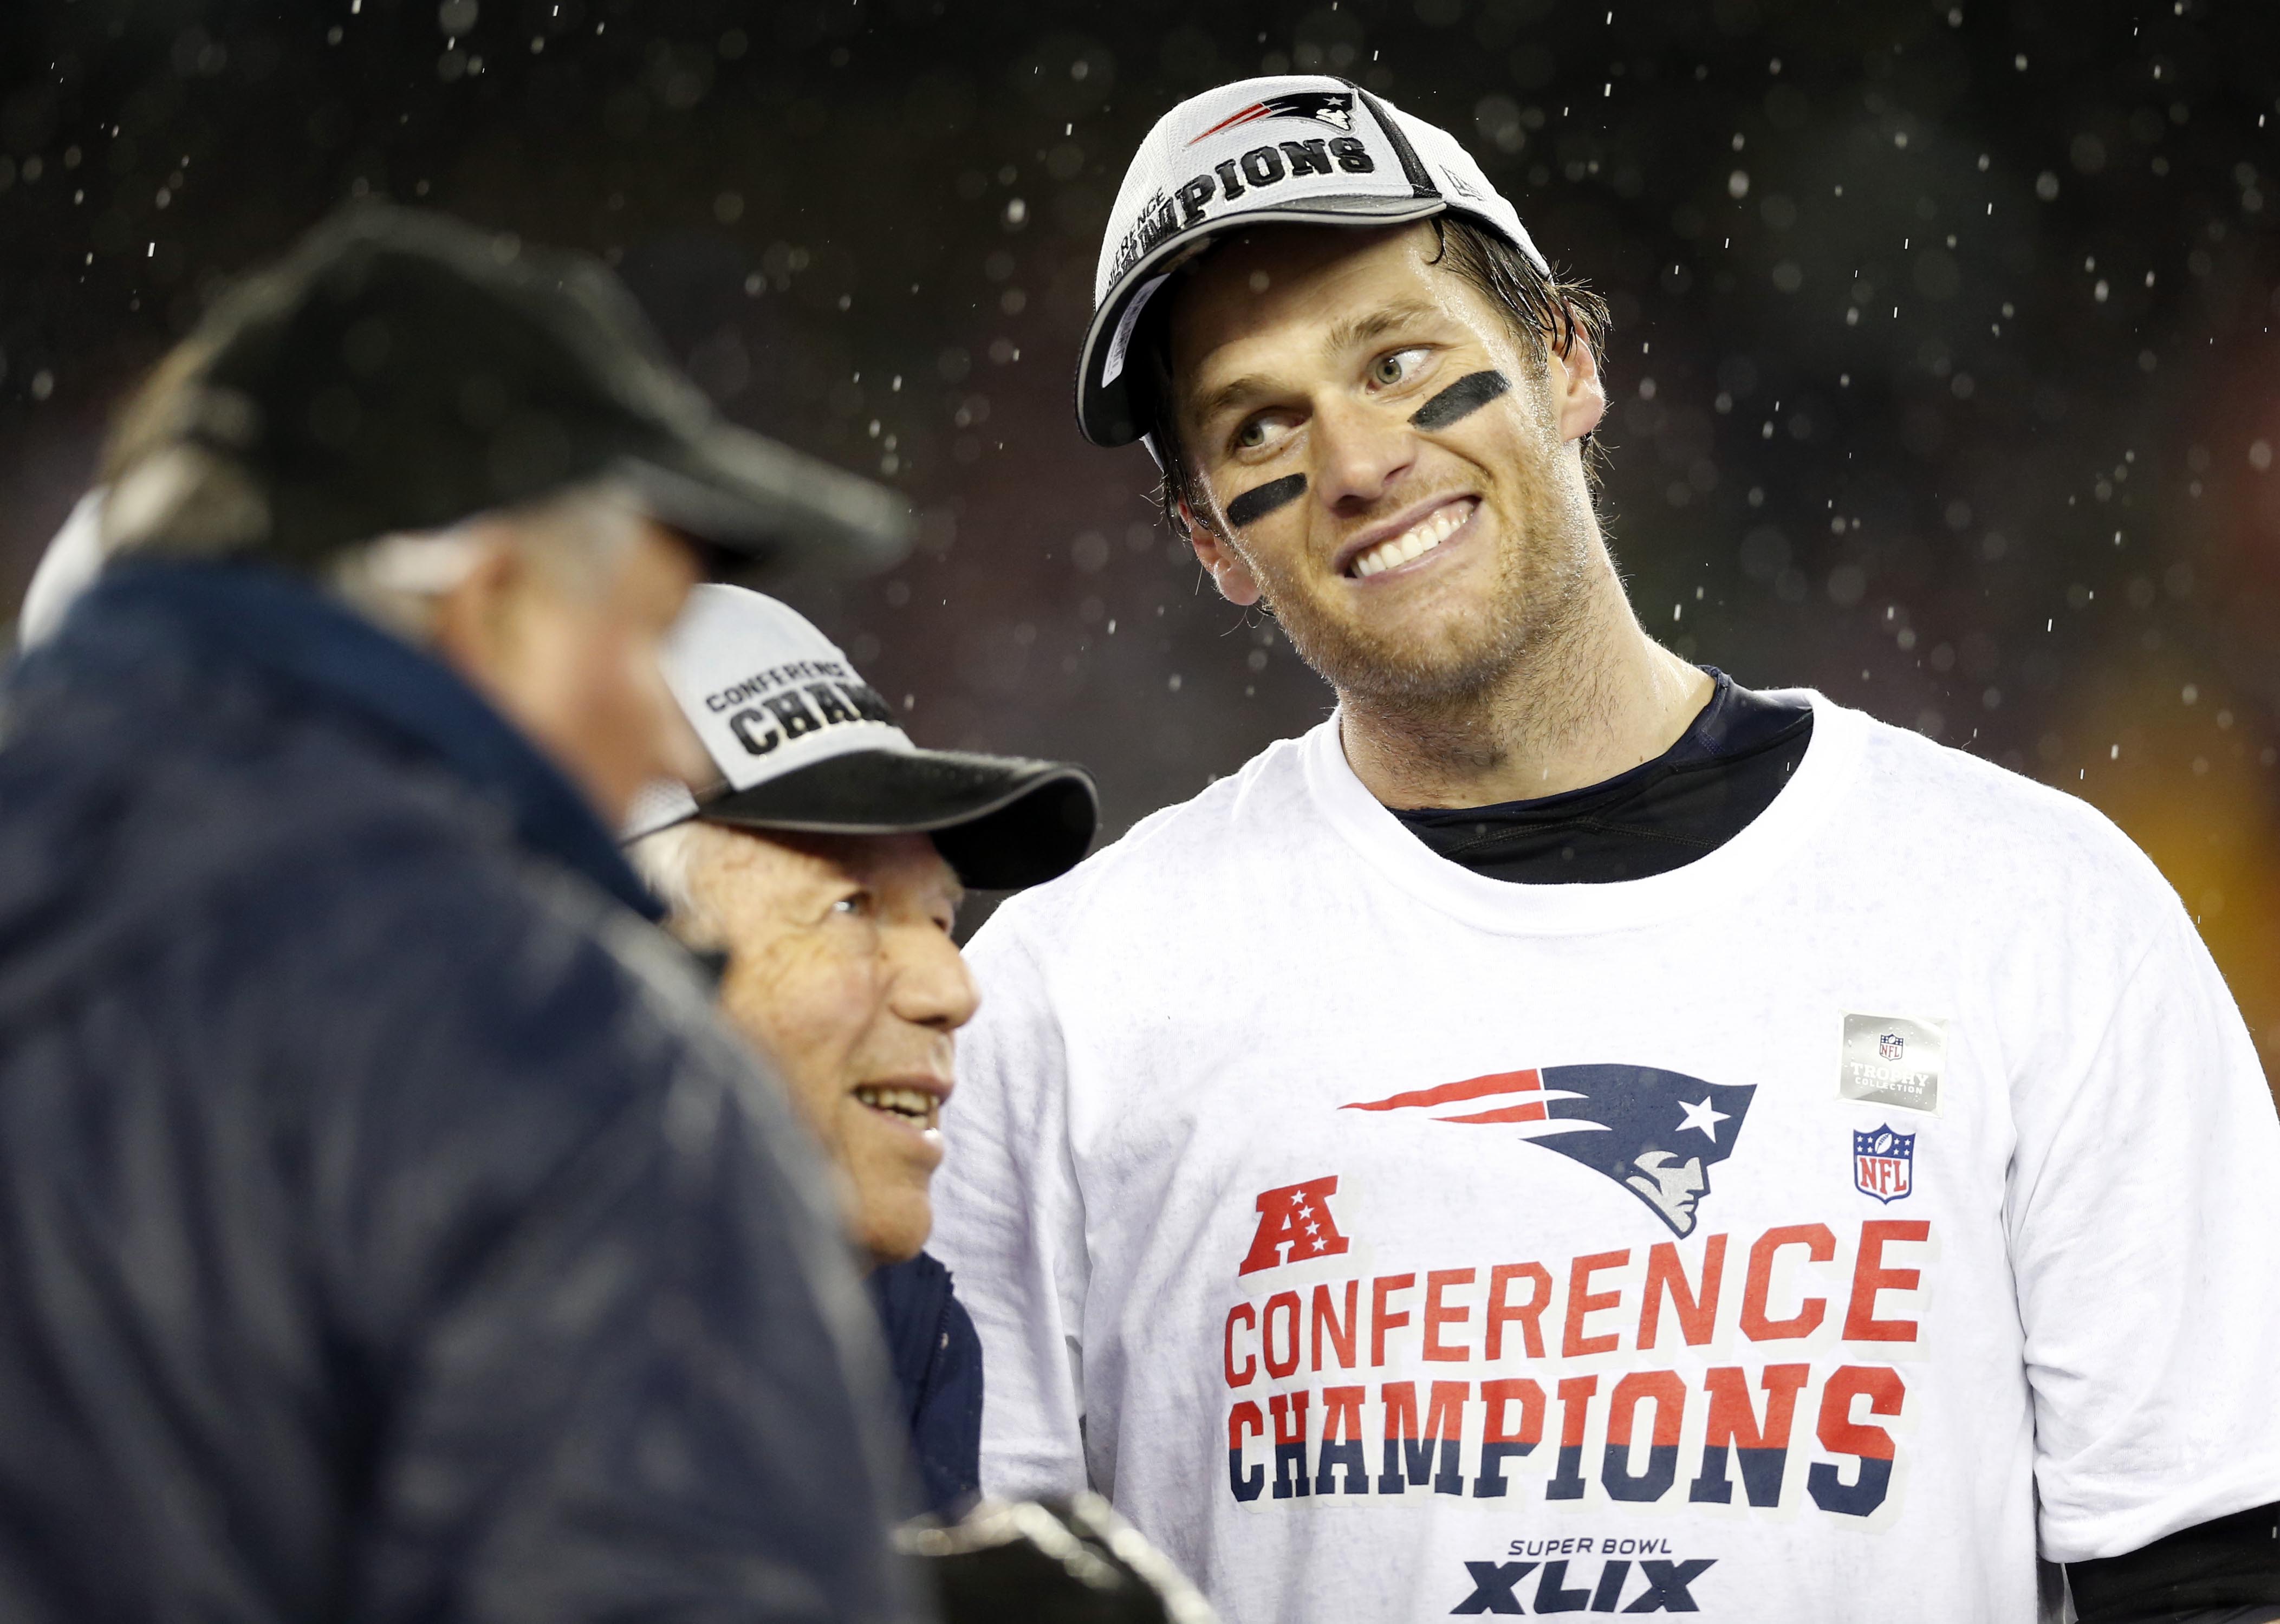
{"x": 1892, "y": 1060}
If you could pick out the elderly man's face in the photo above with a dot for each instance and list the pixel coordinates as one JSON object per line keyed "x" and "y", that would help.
{"x": 842, "y": 965}
{"x": 576, "y": 667}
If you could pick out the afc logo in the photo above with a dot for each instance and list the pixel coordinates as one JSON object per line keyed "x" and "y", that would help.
{"x": 1295, "y": 1218}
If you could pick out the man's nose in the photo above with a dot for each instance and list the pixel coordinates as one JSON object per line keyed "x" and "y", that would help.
{"x": 1360, "y": 450}
{"x": 932, "y": 986}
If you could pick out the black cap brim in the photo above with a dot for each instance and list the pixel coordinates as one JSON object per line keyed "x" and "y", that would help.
{"x": 1003, "y": 822}
{"x": 749, "y": 496}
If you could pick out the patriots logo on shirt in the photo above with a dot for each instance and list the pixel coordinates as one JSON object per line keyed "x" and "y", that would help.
{"x": 1334, "y": 108}
{"x": 1655, "y": 1133}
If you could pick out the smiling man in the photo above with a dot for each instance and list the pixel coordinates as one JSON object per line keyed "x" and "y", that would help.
{"x": 823, "y": 857}
{"x": 1330, "y": 1175}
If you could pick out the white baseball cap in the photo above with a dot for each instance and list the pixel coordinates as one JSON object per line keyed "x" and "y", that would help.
{"x": 803, "y": 743}
{"x": 1303, "y": 149}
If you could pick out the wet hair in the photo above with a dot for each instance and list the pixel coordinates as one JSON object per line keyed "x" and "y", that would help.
{"x": 1546, "y": 310}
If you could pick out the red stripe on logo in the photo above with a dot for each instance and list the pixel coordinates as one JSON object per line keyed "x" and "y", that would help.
{"x": 1256, "y": 109}
{"x": 1532, "y": 1111}
{"x": 1447, "y": 1093}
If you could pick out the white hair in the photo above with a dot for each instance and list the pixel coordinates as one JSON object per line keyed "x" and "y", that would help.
{"x": 577, "y": 535}
{"x": 668, "y": 860}
{"x": 181, "y": 501}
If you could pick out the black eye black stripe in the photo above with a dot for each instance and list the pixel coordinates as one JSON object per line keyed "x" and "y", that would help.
{"x": 1463, "y": 398}
{"x": 1254, "y": 504}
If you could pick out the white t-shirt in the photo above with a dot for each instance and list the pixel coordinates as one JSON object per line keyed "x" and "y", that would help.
{"x": 1805, "y": 1233}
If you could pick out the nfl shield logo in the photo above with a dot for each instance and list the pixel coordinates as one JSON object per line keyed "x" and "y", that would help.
{"x": 1890, "y": 1045}
{"x": 1883, "y": 1163}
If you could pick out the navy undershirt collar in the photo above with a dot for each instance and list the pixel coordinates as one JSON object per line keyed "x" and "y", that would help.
{"x": 1723, "y": 771}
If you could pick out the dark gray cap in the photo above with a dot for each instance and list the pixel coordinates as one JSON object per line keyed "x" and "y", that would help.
{"x": 399, "y": 371}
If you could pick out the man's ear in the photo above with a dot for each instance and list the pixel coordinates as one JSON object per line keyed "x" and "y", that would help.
{"x": 1233, "y": 577}
{"x": 1577, "y": 388}
{"x": 478, "y": 622}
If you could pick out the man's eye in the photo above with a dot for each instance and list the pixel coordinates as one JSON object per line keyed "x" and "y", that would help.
{"x": 1395, "y": 367}
{"x": 859, "y": 904}
{"x": 1259, "y": 433}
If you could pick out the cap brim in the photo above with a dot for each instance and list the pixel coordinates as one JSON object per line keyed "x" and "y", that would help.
{"x": 1001, "y": 821}
{"x": 1106, "y": 411}
{"x": 749, "y": 496}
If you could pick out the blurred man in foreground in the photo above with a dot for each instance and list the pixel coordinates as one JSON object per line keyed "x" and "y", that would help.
{"x": 389, "y": 1231}
{"x": 824, "y": 856}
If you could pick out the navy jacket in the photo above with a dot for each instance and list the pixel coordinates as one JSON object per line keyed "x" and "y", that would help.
{"x": 937, "y": 1358}
{"x": 387, "y": 1232}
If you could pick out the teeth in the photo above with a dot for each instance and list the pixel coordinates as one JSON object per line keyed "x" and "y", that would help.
{"x": 1415, "y": 542}
{"x": 914, "y": 1103}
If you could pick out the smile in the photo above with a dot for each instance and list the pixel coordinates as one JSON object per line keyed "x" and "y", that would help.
{"x": 915, "y": 1106}
{"x": 1415, "y": 542}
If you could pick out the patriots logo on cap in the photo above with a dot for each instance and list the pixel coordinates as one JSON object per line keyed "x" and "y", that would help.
{"x": 1655, "y": 1133}
{"x": 1334, "y": 108}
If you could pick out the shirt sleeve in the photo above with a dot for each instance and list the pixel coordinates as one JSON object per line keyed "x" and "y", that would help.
{"x": 1009, "y": 1221}
{"x": 2146, "y": 1252}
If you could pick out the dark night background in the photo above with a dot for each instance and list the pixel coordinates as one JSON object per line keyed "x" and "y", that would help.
{"x": 1942, "y": 359}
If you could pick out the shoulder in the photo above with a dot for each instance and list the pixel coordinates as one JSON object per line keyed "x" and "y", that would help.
{"x": 316, "y": 887}
{"x": 1960, "y": 824}
{"x": 1918, "y": 779}
{"x": 1171, "y": 860}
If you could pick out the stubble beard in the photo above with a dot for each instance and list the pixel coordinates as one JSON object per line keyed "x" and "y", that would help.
{"x": 1434, "y": 680}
